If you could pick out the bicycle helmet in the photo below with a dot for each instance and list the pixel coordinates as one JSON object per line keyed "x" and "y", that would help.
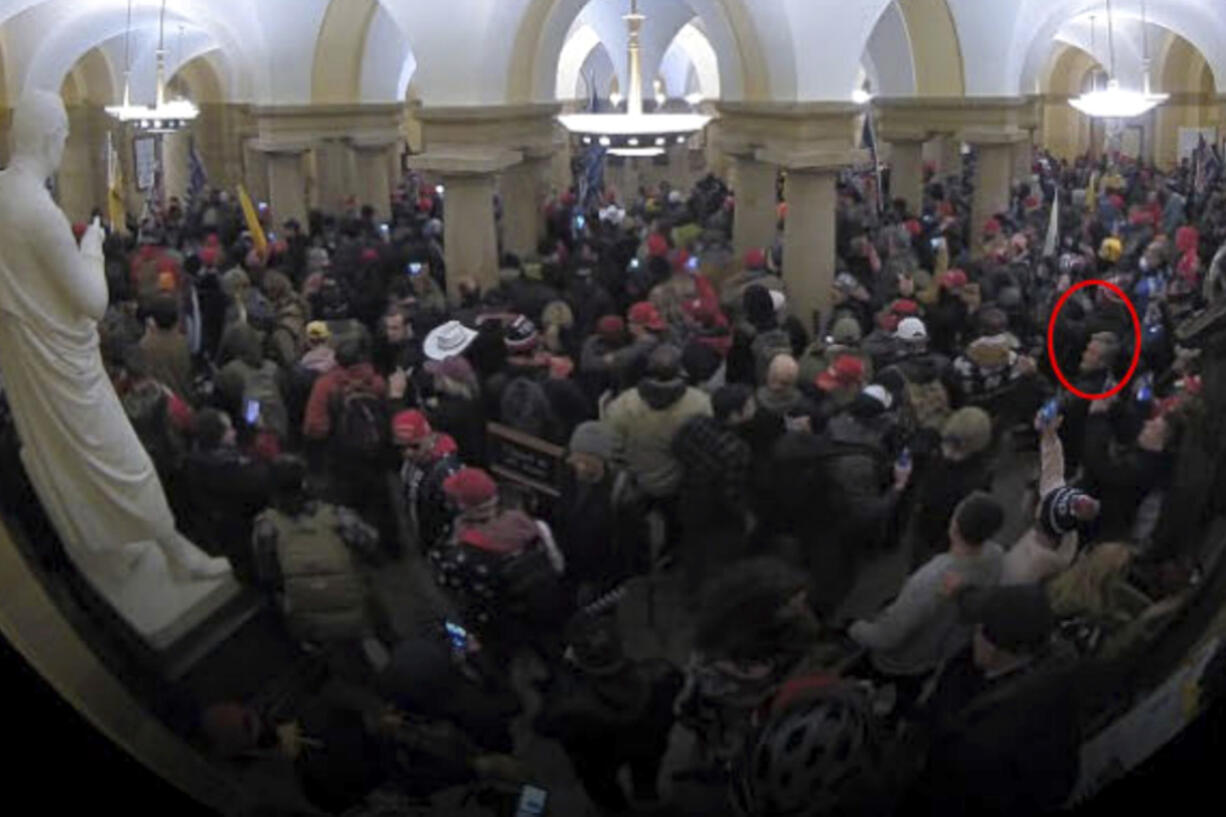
{"x": 816, "y": 756}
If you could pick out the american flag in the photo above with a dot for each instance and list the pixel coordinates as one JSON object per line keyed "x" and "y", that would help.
{"x": 198, "y": 179}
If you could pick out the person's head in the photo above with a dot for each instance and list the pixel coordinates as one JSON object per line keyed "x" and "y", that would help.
{"x": 734, "y": 405}
{"x": 1014, "y": 623}
{"x": 644, "y": 318}
{"x": 39, "y": 130}
{"x": 289, "y": 475}
{"x": 1100, "y": 353}
{"x": 1062, "y": 510}
{"x": 1163, "y": 431}
{"x": 976, "y": 519}
{"x": 591, "y": 448}
{"x": 231, "y": 729}
{"x": 214, "y": 430}
{"x": 474, "y": 493}
{"x": 759, "y": 308}
{"x": 411, "y": 432}
{"x": 611, "y": 329}
{"x": 351, "y": 352}
{"x": 594, "y": 646}
{"x": 318, "y": 334}
{"x": 664, "y": 363}
{"x": 912, "y": 335}
{"x": 164, "y": 313}
{"x": 454, "y": 376}
{"x": 782, "y": 373}
{"x": 967, "y": 432}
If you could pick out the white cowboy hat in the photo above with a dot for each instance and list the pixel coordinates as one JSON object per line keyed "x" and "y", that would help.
{"x": 452, "y": 338}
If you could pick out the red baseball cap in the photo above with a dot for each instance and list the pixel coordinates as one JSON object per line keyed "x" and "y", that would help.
{"x": 657, "y": 246}
{"x": 410, "y": 427}
{"x": 845, "y": 371}
{"x": 992, "y": 227}
{"x": 209, "y": 256}
{"x": 470, "y": 488}
{"x": 370, "y": 255}
{"x": 610, "y": 327}
{"x": 913, "y": 227}
{"x": 954, "y": 279}
{"x": 645, "y": 314}
{"x": 904, "y": 306}
{"x": 755, "y": 258}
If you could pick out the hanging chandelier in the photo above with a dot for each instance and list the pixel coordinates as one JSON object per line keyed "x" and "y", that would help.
{"x": 167, "y": 116}
{"x": 1116, "y": 102}
{"x": 634, "y": 133}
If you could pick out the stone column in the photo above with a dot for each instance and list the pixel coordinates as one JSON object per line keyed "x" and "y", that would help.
{"x": 993, "y": 177}
{"x": 951, "y": 156}
{"x": 470, "y": 236}
{"x": 175, "y": 150}
{"x": 754, "y": 225}
{"x": 1023, "y": 159}
{"x": 907, "y": 168}
{"x": 287, "y": 193}
{"x": 522, "y": 190}
{"x": 809, "y": 248}
{"x": 336, "y": 165}
{"x": 6, "y": 118}
{"x": 374, "y": 185}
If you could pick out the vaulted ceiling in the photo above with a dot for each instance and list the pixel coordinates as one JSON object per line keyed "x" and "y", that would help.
{"x": 476, "y": 52}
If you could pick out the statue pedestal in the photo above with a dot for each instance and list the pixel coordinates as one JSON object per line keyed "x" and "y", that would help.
{"x": 159, "y": 610}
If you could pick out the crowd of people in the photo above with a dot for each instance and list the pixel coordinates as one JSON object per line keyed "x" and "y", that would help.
{"x": 318, "y": 406}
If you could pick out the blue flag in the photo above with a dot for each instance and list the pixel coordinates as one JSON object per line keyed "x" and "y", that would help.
{"x": 198, "y": 179}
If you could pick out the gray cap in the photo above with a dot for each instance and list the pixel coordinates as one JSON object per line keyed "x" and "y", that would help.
{"x": 593, "y": 438}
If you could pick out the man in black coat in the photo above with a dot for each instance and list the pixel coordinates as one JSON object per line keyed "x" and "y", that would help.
{"x": 609, "y": 712}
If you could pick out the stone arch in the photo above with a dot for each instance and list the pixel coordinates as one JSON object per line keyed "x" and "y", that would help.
{"x": 1066, "y": 131}
{"x": 936, "y": 49}
{"x": 336, "y": 75}
{"x": 200, "y": 79}
{"x": 545, "y": 24}
{"x": 575, "y": 54}
{"x": 388, "y": 61}
{"x": 889, "y": 56}
{"x": 693, "y": 52}
{"x": 60, "y": 31}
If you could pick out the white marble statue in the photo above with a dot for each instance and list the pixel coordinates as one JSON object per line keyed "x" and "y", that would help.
{"x": 95, "y": 480}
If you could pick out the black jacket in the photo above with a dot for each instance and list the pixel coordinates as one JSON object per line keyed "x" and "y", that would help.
{"x": 1119, "y": 479}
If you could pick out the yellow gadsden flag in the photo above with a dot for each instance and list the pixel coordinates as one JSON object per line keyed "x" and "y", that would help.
{"x": 116, "y": 210}
{"x": 253, "y": 222}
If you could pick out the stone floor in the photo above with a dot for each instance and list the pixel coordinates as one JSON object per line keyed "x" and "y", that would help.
{"x": 654, "y": 624}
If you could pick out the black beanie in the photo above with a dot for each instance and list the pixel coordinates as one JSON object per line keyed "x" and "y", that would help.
{"x": 979, "y": 516}
{"x": 700, "y": 361}
{"x": 759, "y": 308}
{"x": 1056, "y": 512}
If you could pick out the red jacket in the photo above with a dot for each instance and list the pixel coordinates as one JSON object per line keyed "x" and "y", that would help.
{"x": 317, "y": 423}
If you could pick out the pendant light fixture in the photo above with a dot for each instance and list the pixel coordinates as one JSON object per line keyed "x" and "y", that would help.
{"x": 1115, "y": 102}
{"x": 166, "y": 116}
{"x": 634, "y": 133}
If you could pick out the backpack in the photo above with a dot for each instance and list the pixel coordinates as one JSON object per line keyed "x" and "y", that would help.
{"x": 766, "y": 346}
{"x": 928, "y": 404}
{"x": 361, "y": 430}
{"x": 261, "y": 385}
{"x": 324, "y": 596}
{"x": 531, "y": 588}
{"x": 148, "y": 410}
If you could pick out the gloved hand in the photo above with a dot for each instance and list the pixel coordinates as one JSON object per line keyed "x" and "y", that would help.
{"x": 91, "y": 242}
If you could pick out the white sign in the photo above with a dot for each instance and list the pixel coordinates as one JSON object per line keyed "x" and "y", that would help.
{"x": 144, "y": 149}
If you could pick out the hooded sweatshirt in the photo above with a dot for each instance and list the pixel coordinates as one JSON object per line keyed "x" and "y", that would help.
{"x": 645, "y": 420}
